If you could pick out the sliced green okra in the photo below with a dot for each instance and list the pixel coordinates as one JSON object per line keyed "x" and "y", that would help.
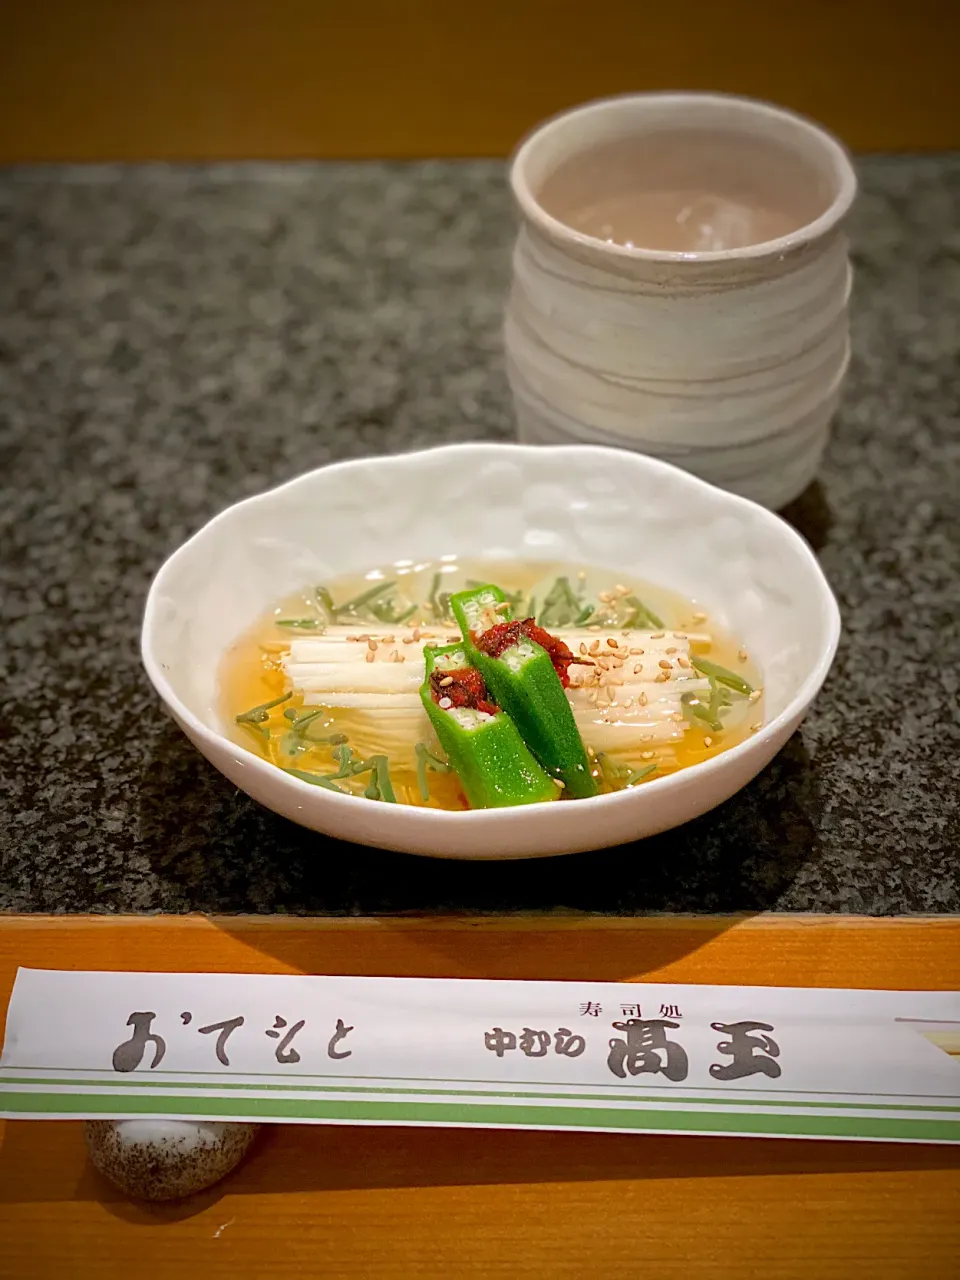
{"x": 482, "y": 744}
{"x": 524, "y": 681}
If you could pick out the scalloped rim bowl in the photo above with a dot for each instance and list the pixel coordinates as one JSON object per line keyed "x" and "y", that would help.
{"x": 634, "y": 515}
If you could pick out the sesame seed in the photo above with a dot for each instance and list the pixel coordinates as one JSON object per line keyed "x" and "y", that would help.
{"x": 636, "y": 652}
{"x": 625, "y": 633}
{"x": 679, "y": 635}
{"x": 445, "y": 703}
{"x": 699, "y": 617}
{"x": 446, "y": 682}
{"x": 416, "y": 634}
{"x": 369, "y": 655}
{"x": 595, "y": 647}
{"x": 756, "y": 695}
{"x": 657, "y": 635}
{"x": 408, "y": 639}
{"x": 621, "y": 590}
{"x": 628, "y": 702}
{"x": 583, "y": 647}
{"x": 638, "y": 668}
{"x": 665, "y": 664}
{"x": 611, "y": 641}
{"x": 647, "y": 755}
{"x": 390, "y": 640}
{"x": 353, "y": 638}
{"x": 399, "y": 656}
{"x": 372, "y": 645}
{"x": 643, "y": 699}
{"x": 672, "y": 649}
{"x": 595, "y": 626}
{"x": 683, "y": 662}
{"x": 742, "y": 655}
{"x": 755, "y": 727}
{"x": 708, "y": 742}
{"x": 363, "y": 637}
{"x": 662, "y": 678}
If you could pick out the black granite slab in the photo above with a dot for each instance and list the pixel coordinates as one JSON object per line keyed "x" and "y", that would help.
{"x": 173, "y": 339}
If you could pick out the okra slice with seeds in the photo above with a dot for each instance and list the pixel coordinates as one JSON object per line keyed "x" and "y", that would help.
{"x": 521, "y": 665}
{"x": 482, "y": 744}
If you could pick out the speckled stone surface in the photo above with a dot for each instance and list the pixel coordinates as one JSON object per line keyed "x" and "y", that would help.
{"x": 172, "y": 340}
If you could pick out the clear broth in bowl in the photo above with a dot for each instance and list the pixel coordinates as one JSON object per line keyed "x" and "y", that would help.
{"x": 328, "y": 679}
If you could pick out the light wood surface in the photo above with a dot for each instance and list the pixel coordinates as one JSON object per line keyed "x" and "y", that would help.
{"x": 210, "y": 79}
{"x": 372, "y": 1202}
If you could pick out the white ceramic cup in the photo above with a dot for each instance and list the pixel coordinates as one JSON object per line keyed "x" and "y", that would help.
{"x": 727, "y": 361}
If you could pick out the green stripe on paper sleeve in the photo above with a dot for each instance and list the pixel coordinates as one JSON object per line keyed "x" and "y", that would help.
{"x": 187, "y": 1087}
{"x": 372, "y": 1111}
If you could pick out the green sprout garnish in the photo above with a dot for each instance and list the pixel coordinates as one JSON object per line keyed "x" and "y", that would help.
{"x": 638, "y": 775}
{"x": 368, "y": 604}
{"x": 348, "y": 766}
{"x": 427, "y": 760}
{"x": 325, "y": 601}
{"x": 708, "y": 712}
{"x": 358, "y": 602}
{"x": 378, "y": 788}
{"x": 381, "y": 773}
{"x": 641, "y": 617}
{"x": 298, "y": 738}
{"x": 316, "y": 780}
{"x": 619, "y": 776}
{"x": 721, "y": 675}
{"x": 720, "y": 698}
{"x": 561, "y": 605}
{"x": 257, "y": 715}
{"x": 439, "y": 604}
{"x": 612, "y": 773}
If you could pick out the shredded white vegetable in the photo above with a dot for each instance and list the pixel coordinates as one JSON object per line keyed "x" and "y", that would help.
{"x": 626, "y": 688}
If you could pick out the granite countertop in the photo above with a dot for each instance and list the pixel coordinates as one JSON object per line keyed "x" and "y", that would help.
{"x": 174, "y": 339}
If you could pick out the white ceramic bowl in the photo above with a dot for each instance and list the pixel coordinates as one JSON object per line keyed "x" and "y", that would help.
{"x": 637, "y": 516}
